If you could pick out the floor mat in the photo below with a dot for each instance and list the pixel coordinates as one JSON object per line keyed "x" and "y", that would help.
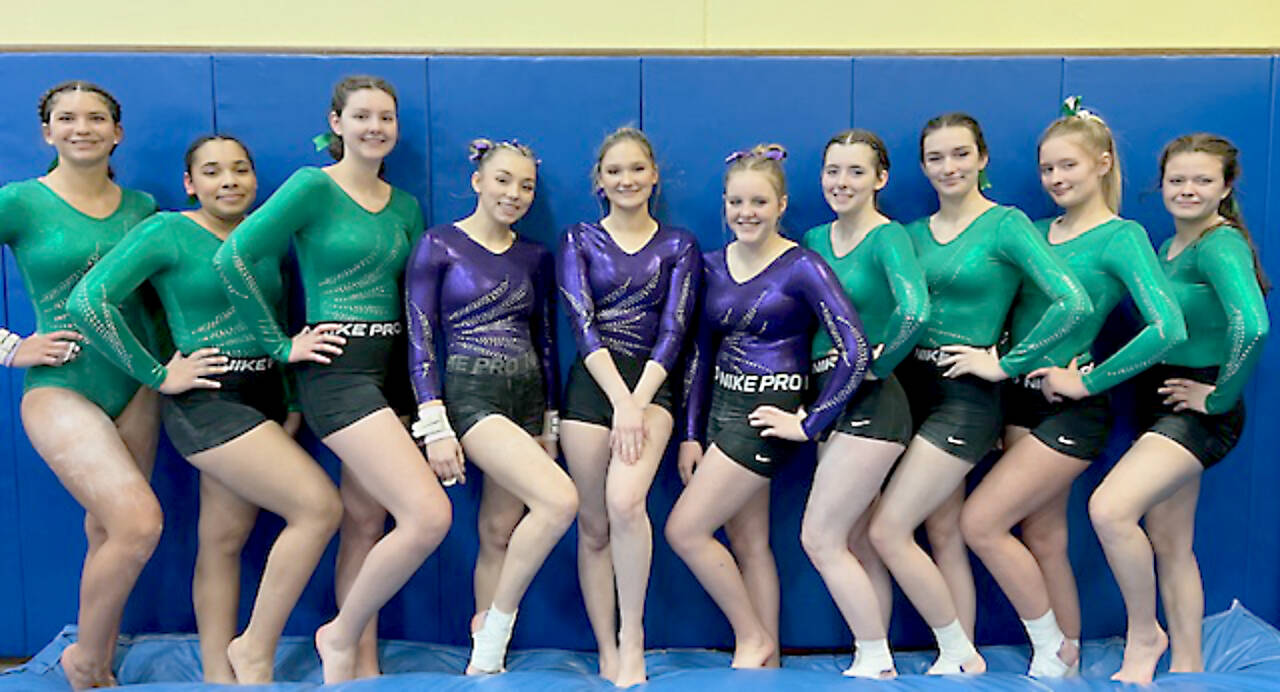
{"x": 1241, "y": 651}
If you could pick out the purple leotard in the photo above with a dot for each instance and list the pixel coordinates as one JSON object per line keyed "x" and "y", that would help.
{"x": 482, "y": 304}
{"x": 764, "y": 327}
{"x": 636, "y": 305}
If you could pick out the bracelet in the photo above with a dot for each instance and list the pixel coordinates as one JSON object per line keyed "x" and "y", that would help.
{"x": 432, "y": 424}
{"x": 9, "y": 342}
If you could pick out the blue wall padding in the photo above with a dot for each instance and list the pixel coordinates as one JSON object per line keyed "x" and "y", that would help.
{"x": 1259, "y": 567}
{"x": 696, "y": 110}
{"x": 12, "y": 616}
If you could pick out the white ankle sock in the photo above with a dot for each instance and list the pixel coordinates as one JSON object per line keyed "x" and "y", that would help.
{"x": 871, "y": 658}
{"x": 954, "y": 649}
{"x": 1046, "y": 639}
{"x": 489, "y": 643}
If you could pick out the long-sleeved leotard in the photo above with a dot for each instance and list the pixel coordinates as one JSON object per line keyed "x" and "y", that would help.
{"x": 350, "y": 259}
{"x": 634, "y": 304}
{"x": 176, "y": 255}
{"x": 884, "y": 282}
{"x": 763, "y": 327}
{"x": 1110, "y": 260}
{"x": 54, "y": 245}
{"x": 479, "y": 304}
{"x": 1214, "y": 283}
{"x": 974, "y": 278}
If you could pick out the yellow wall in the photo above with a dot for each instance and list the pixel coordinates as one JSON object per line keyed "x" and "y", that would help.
{"x": 737, "y": 25}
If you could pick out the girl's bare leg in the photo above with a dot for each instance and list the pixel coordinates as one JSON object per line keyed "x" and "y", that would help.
{"x": 268, "y": 469}
{"x": 225, "y": 523}
{"x": 378, "y": 450}
{"x": 83, "y": 447}
{"x": 586, "y": 450}
{"x": 719, "y": 489}
{"x": 631, "y": 547}
{"x": 1155, "y": 469}
{"x": 364, "y": 521}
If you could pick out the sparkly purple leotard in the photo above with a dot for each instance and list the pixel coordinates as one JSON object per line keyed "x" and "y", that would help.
{"x": 762, "y": 328}
{"x": 637, "y": 305}
{"x": 484, "y": 305}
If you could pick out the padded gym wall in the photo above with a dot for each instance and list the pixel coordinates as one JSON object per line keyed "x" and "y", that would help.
{"x": 697, "y": 110}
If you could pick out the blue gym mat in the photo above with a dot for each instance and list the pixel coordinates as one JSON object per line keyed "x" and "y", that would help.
{"x": 1241, "y": 652}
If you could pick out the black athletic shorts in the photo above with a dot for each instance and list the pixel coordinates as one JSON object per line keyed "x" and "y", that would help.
{"x": 878, "y": 409}
{"x": 1209, "y": 437}
{"x": 475, "y": 388}
{"x": 733, "y": 399}
{"x": 584, "y": 400}
{"x": 961, "y": 416}
{"x": 252, "y": 393}
{"x": 1075, "y": 428}
{"x": 354, "y": 385}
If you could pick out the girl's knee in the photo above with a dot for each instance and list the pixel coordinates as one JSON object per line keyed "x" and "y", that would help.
{"x": 427, "y": 526}
{"x": 561, "y": 505}
{"x": 626, "y": 505}
{"x": 976, "y": 529}
{"x": 593, "y": 530}
{"x": 1109, "y": 519}
{"x": 819, "y": 543}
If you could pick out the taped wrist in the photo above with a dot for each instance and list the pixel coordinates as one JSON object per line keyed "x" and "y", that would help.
{"x": 551, "y": 426}
{"x": 432, "y": 424}
{"x": 9, "y": 342}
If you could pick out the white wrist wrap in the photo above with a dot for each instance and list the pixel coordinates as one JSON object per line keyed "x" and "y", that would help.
{"x": 9, "y": 342}
{"x": 551, "y": 426}
{"x": 432, "y": 424}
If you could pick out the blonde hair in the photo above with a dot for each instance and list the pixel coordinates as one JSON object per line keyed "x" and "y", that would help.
{"x": 622, "y": 134}
{"x": 1097, "y": 138}
{"x": 765, "y": 158}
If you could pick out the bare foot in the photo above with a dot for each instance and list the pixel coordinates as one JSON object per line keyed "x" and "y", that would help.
{"x": 609, "y": 664}
{"x": 338, "y": 662}
{"x": 1141, "y": 654}
{"x": 630, "y": 670}
{"x": 81, "y": 674}
{"x": 754, "y": 653}
{"x": 250, "y": 667}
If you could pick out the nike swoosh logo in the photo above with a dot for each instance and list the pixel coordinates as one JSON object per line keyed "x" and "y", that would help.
{"x": 859, "y": 423}
{"x": 763, "y": 460}
{"x": 1066, "y": 441}
{"x": 955, "y": 440}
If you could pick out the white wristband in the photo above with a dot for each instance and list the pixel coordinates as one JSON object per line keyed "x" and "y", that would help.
{"x": 551, "y": 426}
{"x": 432, "y": 424}
{"x": 9, "y": 342}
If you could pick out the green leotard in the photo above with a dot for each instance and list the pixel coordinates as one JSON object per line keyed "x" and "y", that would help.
{"x": 884, "y": 281}
{"x": 974, "y": 278}
{"x": 1111, "y": 259}
{"x": 351, "y": 260}
{"x": 176, "y": 255}
{"x": 1227, "y": 321}
{"x": 54, "y": 245}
